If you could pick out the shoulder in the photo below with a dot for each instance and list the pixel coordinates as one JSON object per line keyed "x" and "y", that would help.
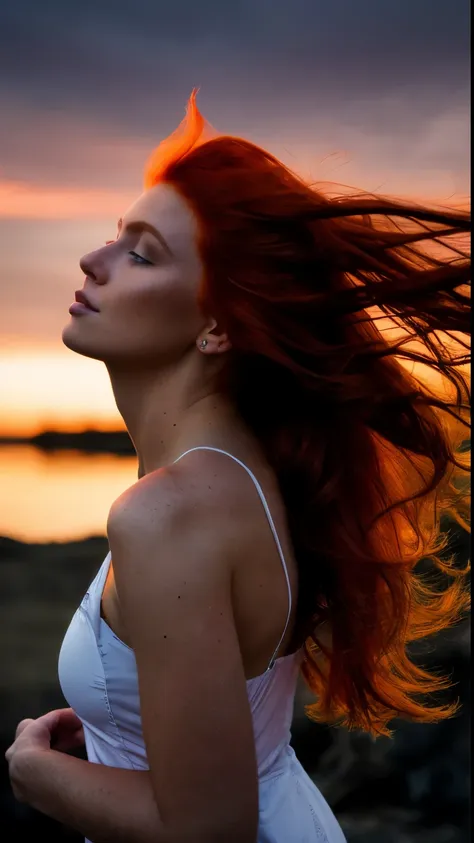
{"x": 202, "y": 484}
{"x": 199, "y": 503}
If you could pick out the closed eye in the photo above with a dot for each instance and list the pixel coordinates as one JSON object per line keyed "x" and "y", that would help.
{"x": 138, "y": 258}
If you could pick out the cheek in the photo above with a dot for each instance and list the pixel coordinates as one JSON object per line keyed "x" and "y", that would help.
{"x": 165, "y": 310}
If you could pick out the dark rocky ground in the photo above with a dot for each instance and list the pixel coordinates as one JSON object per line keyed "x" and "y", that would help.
{"x": 411, "y": 789}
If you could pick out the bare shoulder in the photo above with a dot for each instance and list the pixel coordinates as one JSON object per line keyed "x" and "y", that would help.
{"x": 204, "y": 487}
{"x": 174, "y": 546}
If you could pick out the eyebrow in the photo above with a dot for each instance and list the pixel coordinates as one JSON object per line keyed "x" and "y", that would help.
{"x": 140, "y": 225}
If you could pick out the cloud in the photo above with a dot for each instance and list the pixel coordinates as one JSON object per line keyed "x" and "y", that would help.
{"x": 60, "y": 154}
{"x": 88, "y": 87}
{"x": 133, "y": 66}
{"x": 31, "y": 201}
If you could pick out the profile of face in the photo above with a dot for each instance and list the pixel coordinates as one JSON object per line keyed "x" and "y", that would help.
{"x": 144, "y": 288}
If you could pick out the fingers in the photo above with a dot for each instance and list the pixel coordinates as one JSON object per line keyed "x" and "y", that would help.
{"x": 69, "y": 718}
{"x": 50, "y": 719}
{"x": 63, "y": 717}
{"x": 32, "y": 734}
{"x": 22, "y": 726}
{"x": 62, "y": 724}
{"x": 74, "y": 740}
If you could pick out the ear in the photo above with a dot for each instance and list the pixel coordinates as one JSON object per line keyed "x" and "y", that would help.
{"x": 213, "y": 341}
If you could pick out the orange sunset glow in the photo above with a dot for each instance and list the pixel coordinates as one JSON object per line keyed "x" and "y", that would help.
{"x": 20, "y": 200}
{"x": 54, "y": 391}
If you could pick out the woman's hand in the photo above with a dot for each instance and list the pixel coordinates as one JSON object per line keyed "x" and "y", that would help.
{"x": 60, "y": 730}
{"x": 68, "y": 733}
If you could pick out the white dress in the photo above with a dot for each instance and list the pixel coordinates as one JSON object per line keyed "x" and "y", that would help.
{"x": 98, "y": 677}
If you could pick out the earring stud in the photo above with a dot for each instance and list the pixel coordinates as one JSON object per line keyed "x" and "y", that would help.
{"x": 203, "y": 344}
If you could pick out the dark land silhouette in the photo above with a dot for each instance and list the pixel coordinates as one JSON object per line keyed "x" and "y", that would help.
{"x": 90, "y": 441}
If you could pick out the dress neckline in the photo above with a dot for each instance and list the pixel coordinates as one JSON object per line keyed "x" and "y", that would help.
{"x": 108, "y": 629}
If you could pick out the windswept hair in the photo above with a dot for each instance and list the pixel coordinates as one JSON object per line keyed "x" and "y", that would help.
{"x": 328, "y": 301}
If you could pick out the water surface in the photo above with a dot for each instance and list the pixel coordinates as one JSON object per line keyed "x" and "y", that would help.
{"x": 61, "y": 495}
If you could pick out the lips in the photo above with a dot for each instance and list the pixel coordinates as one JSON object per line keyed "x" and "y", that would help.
{"x": 81, "y": 297}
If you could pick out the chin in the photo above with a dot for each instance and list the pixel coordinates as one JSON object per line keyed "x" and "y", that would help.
{"x": 73, "y": 340}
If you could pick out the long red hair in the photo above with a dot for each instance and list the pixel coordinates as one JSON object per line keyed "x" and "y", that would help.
{"x": 366, "y": 452}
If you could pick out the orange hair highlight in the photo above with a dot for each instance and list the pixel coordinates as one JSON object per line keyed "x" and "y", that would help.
{"x": 190, "y": 133}
{"x": 367, "y": 455}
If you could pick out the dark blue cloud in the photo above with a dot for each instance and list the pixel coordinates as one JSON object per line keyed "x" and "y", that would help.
{"x": 119, "y": 58}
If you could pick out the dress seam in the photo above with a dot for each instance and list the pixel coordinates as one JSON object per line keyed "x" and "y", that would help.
{"x": 105, "y": 691}
{"x": 321, "y": 834}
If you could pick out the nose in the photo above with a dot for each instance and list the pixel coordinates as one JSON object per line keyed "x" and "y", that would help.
{"x": 93, "y": 266}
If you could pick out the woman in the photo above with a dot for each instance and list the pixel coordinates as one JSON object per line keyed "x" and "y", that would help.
{"x": 292, "y": 472}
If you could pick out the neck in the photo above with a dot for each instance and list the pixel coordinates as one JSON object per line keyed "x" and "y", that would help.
{"x": 165, "y": 415}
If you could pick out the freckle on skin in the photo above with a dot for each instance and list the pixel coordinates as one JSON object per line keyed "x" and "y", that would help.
{"x": 164, "y": 636}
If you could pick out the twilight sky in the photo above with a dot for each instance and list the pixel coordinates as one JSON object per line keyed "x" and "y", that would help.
{"x": 369, "y": 93}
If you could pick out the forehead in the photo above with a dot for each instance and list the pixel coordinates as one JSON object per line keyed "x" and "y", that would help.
{"x": 163, "y": 207}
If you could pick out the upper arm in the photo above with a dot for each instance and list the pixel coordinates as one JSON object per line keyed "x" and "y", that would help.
{"x": 173, "y": 574}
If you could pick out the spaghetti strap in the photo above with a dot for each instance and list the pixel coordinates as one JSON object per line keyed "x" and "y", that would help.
{"x": 272, "y": 527}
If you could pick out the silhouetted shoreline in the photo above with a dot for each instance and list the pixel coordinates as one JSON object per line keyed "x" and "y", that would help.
{"x": 94, "y": 441}
{"x": 90, "y": 441}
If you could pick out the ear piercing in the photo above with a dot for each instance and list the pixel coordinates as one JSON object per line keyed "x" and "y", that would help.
{"x": 203, "y": 344}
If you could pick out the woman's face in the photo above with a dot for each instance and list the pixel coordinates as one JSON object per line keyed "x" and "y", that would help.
{"x": 144, "y": 286}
